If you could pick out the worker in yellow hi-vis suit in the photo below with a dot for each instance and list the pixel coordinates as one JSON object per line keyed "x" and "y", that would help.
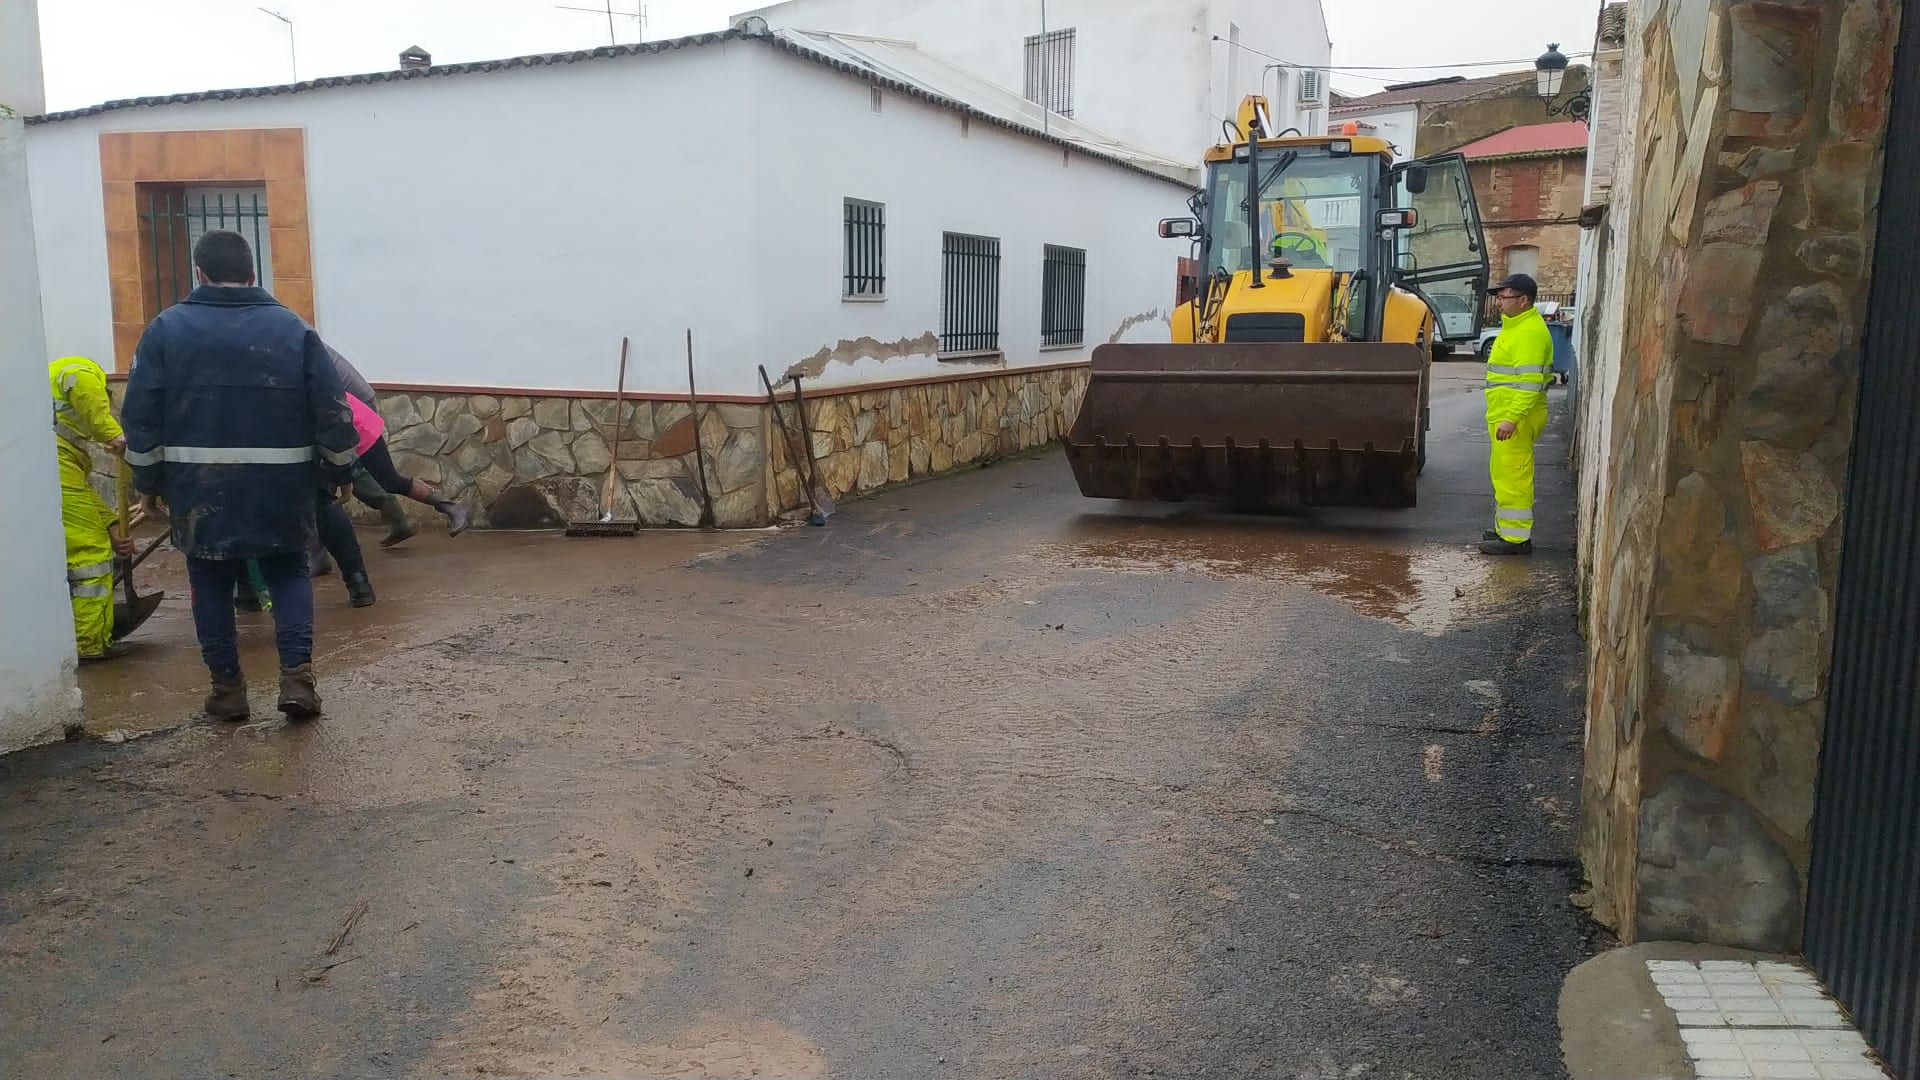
{"x": 1517, "y": 374}
{"x": 82, "y": 414}
{"x": 1294, "y": 234}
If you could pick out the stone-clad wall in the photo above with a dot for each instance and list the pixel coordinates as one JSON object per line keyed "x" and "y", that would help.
{"x": 868, "y": 439}
{"x": 538, "y": 462}
{"x": 1728, "y": 406}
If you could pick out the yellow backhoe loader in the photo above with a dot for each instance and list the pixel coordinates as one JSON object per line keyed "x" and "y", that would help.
{"x": 1299, "y": 368}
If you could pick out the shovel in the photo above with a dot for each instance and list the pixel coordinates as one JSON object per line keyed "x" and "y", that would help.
{"x": 135, "y": 609}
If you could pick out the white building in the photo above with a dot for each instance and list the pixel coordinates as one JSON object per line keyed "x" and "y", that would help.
{"x": 1398, "y": 124}
{"x": 38, "y": 696}
{"x": 1157, "y": 75}
{"x": 479, "y": 239}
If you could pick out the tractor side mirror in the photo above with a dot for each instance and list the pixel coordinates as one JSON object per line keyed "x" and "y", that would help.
{"x": 1171, "y": 228}
{"x": 1416, "y": 176}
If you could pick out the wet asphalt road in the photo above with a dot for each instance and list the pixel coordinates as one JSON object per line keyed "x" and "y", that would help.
{"x": 981, "y": 780}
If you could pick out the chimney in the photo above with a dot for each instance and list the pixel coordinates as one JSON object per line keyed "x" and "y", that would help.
{"x": 415, "y": 57}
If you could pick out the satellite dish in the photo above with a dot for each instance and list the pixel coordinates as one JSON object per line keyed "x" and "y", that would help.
{"x": 753, "y": 24}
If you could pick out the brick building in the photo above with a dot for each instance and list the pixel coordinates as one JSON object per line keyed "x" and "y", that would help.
{"x": 1529, "y": 182}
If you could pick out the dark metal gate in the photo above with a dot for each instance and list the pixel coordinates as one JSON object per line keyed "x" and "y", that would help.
{"x": 1863, "y": 899}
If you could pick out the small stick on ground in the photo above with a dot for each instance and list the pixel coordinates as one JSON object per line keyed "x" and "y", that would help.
{"x": 346, "y": 928}
{"x": 318, "y": 972}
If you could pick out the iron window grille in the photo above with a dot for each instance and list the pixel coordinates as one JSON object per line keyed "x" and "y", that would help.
{"x": 1050, "y": 71}
{"x": 175, "y": 219}
{"x": 1063, "y": 301}
{"x": 970, "y": 294}
{"x": 865, "y": 262}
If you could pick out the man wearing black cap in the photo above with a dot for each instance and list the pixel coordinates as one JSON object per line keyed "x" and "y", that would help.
{"x": 1517, "y": 374}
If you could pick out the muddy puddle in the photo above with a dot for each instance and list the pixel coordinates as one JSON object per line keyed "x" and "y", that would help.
{"x": 1421, "y": 586}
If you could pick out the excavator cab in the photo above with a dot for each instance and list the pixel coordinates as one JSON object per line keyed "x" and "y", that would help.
{"x": 1298, "y": 370}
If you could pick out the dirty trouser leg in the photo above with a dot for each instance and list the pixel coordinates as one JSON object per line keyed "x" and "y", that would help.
{"x": 89, "y": 560}
{"x": 337, "y": 537}
{"x": 213, "y": 582}
{"x": 1510, "y": 462}
{"x": 292, "y": 590}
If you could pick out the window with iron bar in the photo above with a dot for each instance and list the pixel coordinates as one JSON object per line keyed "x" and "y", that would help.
{"x": 865, "y": 263}
{"x": 1050, "y": 70}
{"x": 174, "y": 217}
{"x": 1063, "y": 300}
{"x": 970, "y": 294}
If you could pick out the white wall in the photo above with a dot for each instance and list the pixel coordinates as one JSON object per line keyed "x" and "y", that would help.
{"x": 1147, "y": 72}
{"x": 37, "y": 691}
{"x": 494, "y": 230}
{"x": 826, "y": 144}
{"x": 1399, "y": 126}
{"x": 1293, "y": 30}
{"x": 499, "y": 229}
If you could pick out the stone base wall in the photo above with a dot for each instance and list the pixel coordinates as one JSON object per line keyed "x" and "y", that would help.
{"x": 1723, "y": 423}
{"x": 862, "y": 440}
{"x": 524, "y": 462}
{"x": 538, "y": 462}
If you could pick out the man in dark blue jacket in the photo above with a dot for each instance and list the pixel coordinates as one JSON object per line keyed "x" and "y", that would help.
{"x": 235, "y": 417}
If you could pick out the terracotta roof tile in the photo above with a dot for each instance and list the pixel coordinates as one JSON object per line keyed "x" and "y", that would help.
{"x": 1437, "y": 92}
{"x": 1560, "y": 137}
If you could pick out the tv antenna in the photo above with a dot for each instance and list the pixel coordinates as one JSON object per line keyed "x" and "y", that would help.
{"x": 639, "y": 17}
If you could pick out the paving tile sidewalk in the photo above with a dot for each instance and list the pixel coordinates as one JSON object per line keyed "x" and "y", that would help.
{"x": 1668, "y": 1011}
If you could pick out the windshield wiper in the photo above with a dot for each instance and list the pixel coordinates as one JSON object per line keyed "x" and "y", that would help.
{"x": 1281, "y": 165}
{"x": 1256, "y": 187}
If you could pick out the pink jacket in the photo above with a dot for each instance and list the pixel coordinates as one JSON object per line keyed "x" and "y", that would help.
{"x": 366, "y": 422}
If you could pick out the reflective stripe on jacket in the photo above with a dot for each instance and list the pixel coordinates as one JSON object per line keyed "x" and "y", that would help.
{"x": 235, "y": 415}
{"x": 1519, "y": 366}
{"x": 82, "y": 410}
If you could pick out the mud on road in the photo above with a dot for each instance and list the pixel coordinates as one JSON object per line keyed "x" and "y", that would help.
{"x": 980, "y": 780}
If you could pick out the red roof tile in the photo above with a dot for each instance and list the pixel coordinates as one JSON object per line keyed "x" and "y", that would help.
{"x": 1561, "y": 137}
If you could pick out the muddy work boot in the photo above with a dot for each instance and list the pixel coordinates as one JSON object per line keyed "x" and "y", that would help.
{"x": 359, "y": 588}
{"x": 399, "y": 526}
{"x": 228, "y": 701}
{"x": 299, "y": 700}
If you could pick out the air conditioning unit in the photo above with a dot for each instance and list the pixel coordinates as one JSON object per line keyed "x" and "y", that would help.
{"x": 1312, "y": 89}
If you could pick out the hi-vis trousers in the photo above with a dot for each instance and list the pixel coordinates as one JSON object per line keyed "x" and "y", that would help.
{"x": 1511, "y": 465}
{"x": 89, "y": 559}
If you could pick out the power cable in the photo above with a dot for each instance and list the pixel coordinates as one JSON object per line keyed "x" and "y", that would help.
{"x": 1350, "y": 68}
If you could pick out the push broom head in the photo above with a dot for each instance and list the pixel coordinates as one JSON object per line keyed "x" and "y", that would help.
{"x": 606, "y": 526}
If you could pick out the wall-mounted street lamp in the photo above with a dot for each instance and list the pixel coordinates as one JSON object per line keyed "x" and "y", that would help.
{"x": 1550, "y": 73}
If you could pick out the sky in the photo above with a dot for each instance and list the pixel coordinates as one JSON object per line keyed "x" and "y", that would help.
{"x": 99, "y": 50}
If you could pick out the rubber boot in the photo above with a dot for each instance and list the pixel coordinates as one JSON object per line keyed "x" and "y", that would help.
{"x": 299, "y": 699}
{"x": 456, "y": 514}
{"x": 228, "y": 701}
{"x": 359, "y": 588}
{"x": 399, "y": 525}
{"x": 1498, "y": 546}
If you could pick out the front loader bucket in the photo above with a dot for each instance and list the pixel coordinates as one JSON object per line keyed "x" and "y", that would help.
{"x": 1316, "y": 424}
